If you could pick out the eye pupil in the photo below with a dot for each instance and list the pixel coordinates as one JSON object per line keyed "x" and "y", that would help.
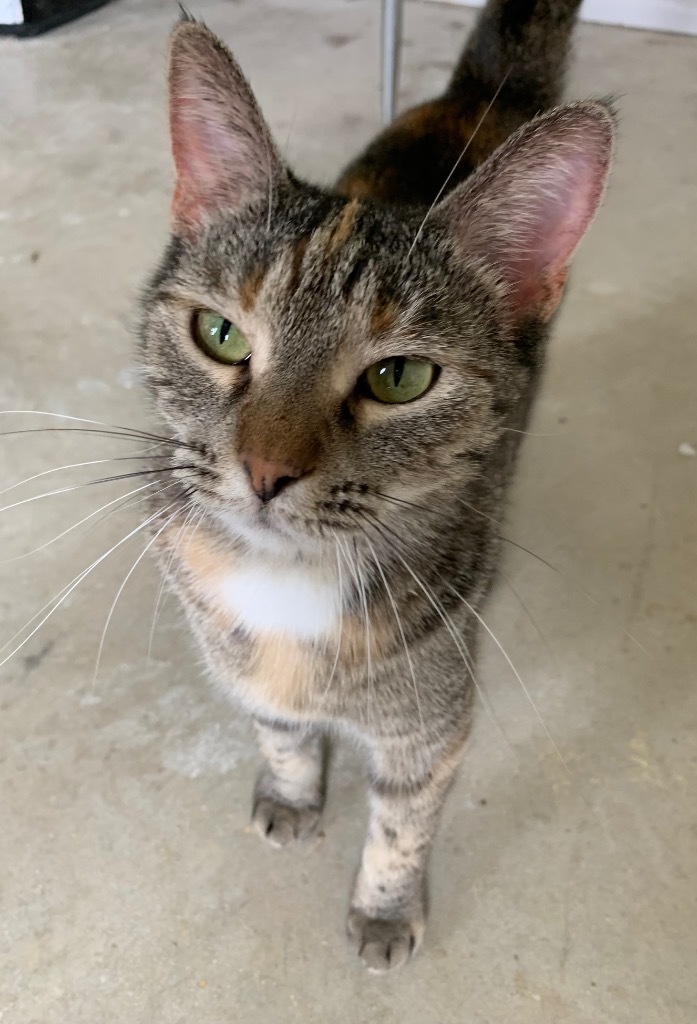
{"x": 224, "y": 332}
{"x": 219, "y": 338}
{"x": 398, "y": 380}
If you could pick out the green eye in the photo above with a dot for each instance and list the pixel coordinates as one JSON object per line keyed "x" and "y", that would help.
{"x": 219, "y": 338}
{"x": 399, "y": 379}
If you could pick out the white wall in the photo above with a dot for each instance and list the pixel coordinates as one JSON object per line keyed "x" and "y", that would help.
{"x": 666, "y": 15}
{"x": 11, "y": 12}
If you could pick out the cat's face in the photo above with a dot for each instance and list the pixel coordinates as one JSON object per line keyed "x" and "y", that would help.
{"x": 329, "y": 359}
{"x": 370, "y": 375}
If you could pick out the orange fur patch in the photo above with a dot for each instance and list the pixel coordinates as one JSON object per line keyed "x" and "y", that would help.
{"x": 344, "y": 226}
{"x": 383, "y": 316}
{"x": 456, "y": 123}
{"x": 360, "y": 645}
{"x": 205, "y": 567}
{"x": 281, "y": 673}
{"x": 356, "y": 187}
{"x": 251, "y": 286}
{"x": 450, "y": 758}
{"x": 297, "y": 257}
{"x": 452, "y": 121}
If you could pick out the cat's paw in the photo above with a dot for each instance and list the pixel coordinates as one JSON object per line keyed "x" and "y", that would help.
{"x": 382, "y": 943}
{"x": 280, "y": 824}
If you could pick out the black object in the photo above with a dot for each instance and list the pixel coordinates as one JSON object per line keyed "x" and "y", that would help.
{"x": 43, "y": 15}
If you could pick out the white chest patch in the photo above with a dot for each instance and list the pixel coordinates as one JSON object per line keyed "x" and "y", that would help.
{"x": 292, "y": 599}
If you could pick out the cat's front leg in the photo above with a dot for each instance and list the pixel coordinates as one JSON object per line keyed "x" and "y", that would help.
{"x": 290, "y": 790}
{"x": 409, "y": 784}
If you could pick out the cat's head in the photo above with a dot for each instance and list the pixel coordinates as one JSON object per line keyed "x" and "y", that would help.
{"x": 329, "y": 358}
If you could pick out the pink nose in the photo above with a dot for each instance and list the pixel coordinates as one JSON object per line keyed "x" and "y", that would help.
{"x": 268, "y": 477}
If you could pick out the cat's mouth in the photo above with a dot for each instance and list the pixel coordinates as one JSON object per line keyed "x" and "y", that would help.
{"x": 275, "y": 528}
{"x": 303, "y": 522}
{"x": 266, "y": 528}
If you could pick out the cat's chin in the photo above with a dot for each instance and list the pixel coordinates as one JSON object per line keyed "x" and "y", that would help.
{"x": 264, "y": 537}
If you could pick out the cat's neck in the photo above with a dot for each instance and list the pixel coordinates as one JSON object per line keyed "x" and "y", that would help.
{"x": 265, "y": 583}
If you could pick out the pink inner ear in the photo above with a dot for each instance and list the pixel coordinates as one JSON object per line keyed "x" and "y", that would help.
{"x": 223, "y": 152}
{"x": 196, "y": 163}
{"x": 194, "y": 151}
{"x": 527, "y": 208}
{"x": 215, "y": 169}
{"x": 553, "y": 222}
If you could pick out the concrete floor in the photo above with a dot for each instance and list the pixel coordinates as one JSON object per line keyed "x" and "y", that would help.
{"x": 131, "y": 890}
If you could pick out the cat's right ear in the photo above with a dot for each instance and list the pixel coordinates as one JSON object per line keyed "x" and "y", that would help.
{"x": 223, "y": 152}
{"x": 525, "y": 210}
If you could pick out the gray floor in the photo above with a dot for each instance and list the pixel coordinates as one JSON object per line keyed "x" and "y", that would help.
{"x": 131, "y": 889}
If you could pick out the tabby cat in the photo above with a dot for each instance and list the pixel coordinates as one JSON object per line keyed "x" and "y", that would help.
{"x": 347, "y": 372}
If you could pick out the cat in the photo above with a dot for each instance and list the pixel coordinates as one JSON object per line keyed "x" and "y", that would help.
{"x": 347, "y": 373}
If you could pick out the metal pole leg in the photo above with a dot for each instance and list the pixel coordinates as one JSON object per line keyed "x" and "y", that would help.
{"x": 391, "y": 46}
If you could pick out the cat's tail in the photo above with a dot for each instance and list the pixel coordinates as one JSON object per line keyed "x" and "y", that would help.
{"x": 524, "y": 43}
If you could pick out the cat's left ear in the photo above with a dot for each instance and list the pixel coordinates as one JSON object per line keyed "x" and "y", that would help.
{"x": 223, "y": 152}
{"x": 525, "y": 210}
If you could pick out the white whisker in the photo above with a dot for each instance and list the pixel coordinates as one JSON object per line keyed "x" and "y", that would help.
{"x": 484, "y": 515}
{"x": 533, "y": 620}
{"x": 464, "y": 654}
{"x": 368, "y": 636}
{"x": 455, "y": 166}
{"x": 572, "y": 583}
{"x": 77, "y": 465}
{"x": 335, "y": 664}
{"x": 360, "y": 587}
{"x": 133, "y": 431}
{"x": 126, "y": 578}
{"x": 131, "y": 504}
{"x": 165, "y": 573}
{"x": 45, "y": 494}
{"x": 59, "y": 416}
{"x": 401, "y": 633}
{"x": 93, "y": 426}
{"x": 88, "y": 483}
{"x": 341, "y": 619}
{"x": 62, "y": 595}
{"x": 532, "y": 433}
{"x": 121, "y": 497}
{"x": 515, "y": 671}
